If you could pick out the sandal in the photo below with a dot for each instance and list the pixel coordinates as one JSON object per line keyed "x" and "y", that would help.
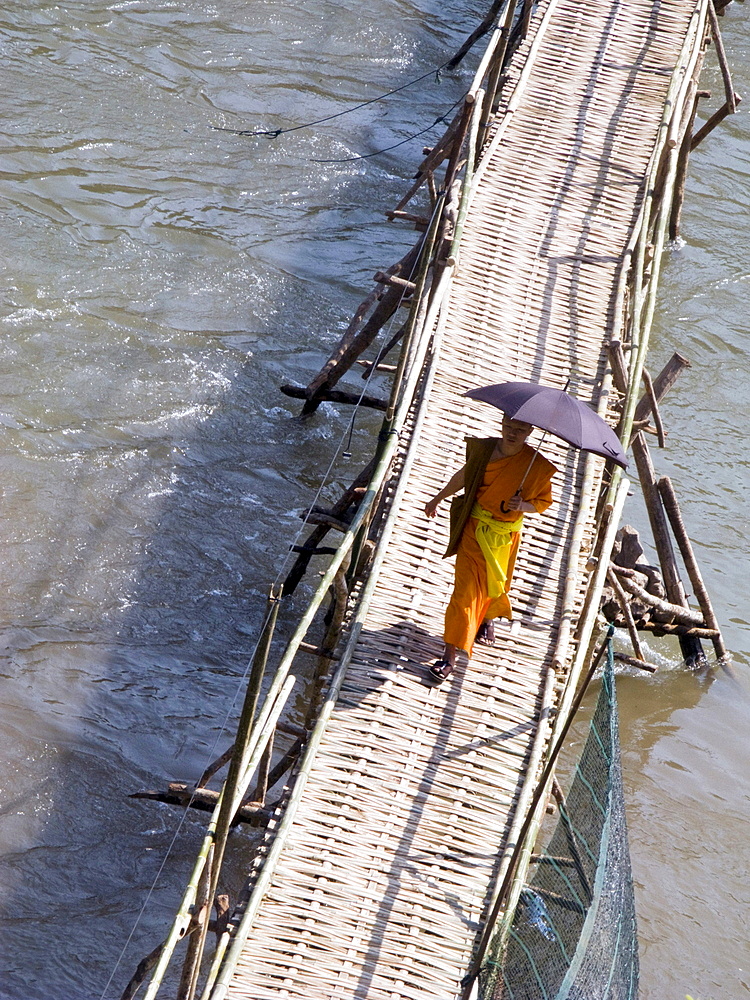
{"x": 486, "y": 634}
{"x": 441, "y": 669}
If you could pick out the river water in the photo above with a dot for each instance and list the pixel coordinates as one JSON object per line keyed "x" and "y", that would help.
{"x": 160, "y": 280}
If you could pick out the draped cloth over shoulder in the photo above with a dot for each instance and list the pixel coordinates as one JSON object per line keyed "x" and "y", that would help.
{"x": 478, "y": 453}
{"x": 485, "y": 525}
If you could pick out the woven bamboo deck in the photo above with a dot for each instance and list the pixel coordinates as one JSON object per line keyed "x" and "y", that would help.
{"x": 384, "y": 877}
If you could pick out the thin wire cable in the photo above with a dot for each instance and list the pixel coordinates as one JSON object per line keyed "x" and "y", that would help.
{"x": 387, "y": 149}
{"x": 275, "y": 133}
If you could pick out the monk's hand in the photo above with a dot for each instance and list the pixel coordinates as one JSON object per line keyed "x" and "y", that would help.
{"x": 516, "y": 502}
{"x": 430, "y": 508}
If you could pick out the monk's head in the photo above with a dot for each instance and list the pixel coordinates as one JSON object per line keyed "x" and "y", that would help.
{"x": 515, "y": 433}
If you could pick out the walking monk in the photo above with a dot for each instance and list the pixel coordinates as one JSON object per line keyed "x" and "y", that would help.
{"x": 503, "y": 479}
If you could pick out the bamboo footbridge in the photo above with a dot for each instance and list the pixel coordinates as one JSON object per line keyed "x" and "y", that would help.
{"x": 387, "y": 868}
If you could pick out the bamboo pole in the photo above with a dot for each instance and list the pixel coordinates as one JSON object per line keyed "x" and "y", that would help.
{"x": 716, "y": 119}
{"x": 678, "y": 612}
{"x": 654, "y": 408}
{"x": 477, "y": 33}
{"x": 627, "y": 613}
{"x": 662, "y": 384}
{"x": 633, "y": 661}
{"x": 496, "y": 68}
{"x": 666, "y": 490}
{"x": 729, "y": 94}
{"x": 265, "y": 725}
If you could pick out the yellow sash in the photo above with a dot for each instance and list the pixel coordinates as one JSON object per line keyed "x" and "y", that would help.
{"x": 494, "y": 539}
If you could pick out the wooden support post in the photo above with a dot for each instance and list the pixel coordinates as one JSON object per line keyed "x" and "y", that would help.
{"x": 289, "y": 759}
{"x": 356, "y": 339}
{"x": 220, "y": 922}
{"x": 226, "y": 815}
{"x": 477, "y": 33}
{"x": 658, "y": 521}
{"x": 633, "y": 662}
{"x": 216, "y": 766}
{"x": 662, "y": 628}
{"x": 434, "y": 158}
{"x": 421, "y": 222}
{"x": 393, "y": 279}
{"x": 264, "y": 768}
{"x": 493, "y": 76}
{"x": 662, "y": 384}
{"x": 528, "y": 10}
{"x": 384, "y": 351}
{"x": 619, "y": 366}
{"x": 339, "y": 602}
{"x": 315, "y": 650}
{"x": 332, "y": 396}
{"x": 690, "y": 646}
{"x": 458, "y": 143}
{"x": 350, "y": 496}
{"x": 191, "y": 964}
{"x": 144, "y": 967}
{"x": 217, "y": 926}
{"x": 654, "y": 408}
{"x": 319, "y": 550}
{"x": 675, "y": 612}
{"x": 627, "y": 613}
{"x": 317, "y": 516}
{"x": 729, "y": 94}
{"x": 681, "y": 172}
{"x": 672, "y": 508}
{"x": 716, "y": 119}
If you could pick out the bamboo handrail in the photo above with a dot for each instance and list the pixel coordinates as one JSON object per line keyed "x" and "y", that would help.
{"x": 222, "y": 966}
{"x": 183, "y": 918}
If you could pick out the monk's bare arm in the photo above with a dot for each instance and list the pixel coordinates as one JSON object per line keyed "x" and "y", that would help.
{"x": 454, "y": 484}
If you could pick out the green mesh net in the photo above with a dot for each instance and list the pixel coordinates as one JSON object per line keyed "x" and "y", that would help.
{"x": 573, "y": 936}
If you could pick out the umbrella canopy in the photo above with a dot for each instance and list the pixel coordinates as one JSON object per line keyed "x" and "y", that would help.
{"x": 557, "y": 412}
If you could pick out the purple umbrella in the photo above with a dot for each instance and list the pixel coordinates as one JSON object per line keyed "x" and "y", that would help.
{"x": 557, "y": 412}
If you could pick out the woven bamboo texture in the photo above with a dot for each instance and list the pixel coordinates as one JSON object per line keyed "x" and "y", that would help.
{"x": 384, "y": 879}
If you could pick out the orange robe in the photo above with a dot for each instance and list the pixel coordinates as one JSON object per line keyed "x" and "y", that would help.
{"x": 470, "y": 603}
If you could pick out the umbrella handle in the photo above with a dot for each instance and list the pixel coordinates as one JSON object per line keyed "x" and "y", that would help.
{"x": 507, "y": 510}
